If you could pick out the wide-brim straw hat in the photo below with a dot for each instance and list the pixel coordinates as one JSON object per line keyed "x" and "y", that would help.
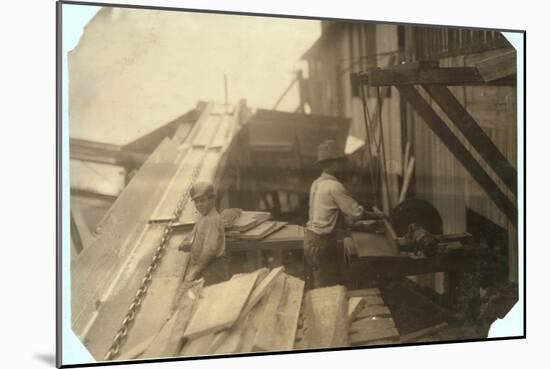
{"x": 330, "y": 150}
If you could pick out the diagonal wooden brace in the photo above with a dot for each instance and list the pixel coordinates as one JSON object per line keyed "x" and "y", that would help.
{"x": 439, "y": 127}
{"x": 460, "y": 117}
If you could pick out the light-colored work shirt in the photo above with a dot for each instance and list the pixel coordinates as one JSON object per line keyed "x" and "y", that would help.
{"x": 208, "y": 239}
{"x": 327, "y": 199}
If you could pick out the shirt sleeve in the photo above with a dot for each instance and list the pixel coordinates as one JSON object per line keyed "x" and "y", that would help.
{"x": 345, "y": 202}
{"x": 210, "y": 242}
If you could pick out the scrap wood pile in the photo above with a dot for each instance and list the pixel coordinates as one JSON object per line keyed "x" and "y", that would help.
{"x": 260, "y": 311}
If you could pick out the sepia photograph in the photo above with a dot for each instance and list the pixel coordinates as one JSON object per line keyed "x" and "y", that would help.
{"x": 245, "y": 184}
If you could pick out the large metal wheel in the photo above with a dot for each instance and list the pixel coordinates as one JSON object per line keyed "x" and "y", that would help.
{"x": 419, "y": 212}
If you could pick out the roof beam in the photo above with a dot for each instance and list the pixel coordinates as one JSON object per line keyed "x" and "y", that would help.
{"x": 451, "y": 76}
{"x": 457, "y": 148}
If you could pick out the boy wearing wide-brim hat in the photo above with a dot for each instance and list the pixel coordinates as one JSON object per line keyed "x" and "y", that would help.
{"x": 207, "y": 239}
{"x": 329, "y": 204}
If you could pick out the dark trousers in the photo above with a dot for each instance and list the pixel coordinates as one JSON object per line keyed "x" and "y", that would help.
{"x": 322, "y": 264}
{"x": 216, "y": 271}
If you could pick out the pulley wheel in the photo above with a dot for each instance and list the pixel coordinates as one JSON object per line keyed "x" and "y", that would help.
{"x": 417, "y": 211}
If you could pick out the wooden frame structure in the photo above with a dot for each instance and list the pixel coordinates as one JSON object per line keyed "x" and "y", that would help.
{"x": 498, "y": 70}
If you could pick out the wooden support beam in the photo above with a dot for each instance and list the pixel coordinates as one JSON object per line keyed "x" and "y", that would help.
{"x": 438, "y": 126}
{"x": 450, "y": 76}
{"x": 477, "y": 137}
{"x": 499, "y": 66}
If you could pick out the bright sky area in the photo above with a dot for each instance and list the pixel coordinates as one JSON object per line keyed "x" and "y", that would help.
{"x": 133, "y": 70}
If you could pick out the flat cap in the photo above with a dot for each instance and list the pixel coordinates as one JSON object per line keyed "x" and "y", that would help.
{"x": 201, "y": 188}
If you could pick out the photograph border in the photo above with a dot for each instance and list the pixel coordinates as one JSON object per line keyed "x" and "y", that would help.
{"x": 60, "y": 166}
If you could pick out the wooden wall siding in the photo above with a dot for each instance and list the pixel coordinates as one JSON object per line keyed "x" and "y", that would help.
{"x": 443, "y": 181}
{"x": 439, "y": 178}
{"x": 431, "y": 43}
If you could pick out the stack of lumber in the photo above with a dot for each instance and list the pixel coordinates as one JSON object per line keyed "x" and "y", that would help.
{"x": 266, "y": 310}
{"x": 370, "y": 319}
{"x": 253, "y": 225}
{"x": 250, "y": 312}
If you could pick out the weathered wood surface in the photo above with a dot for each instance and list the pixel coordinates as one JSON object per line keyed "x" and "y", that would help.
{"x": 364, "y": 292}
{"x": 446, "y": 76}
{"x": 261, "y": 231}
{"x": 249, "y": 219}
{"x": 197, "y": 346}
{"x": 228, "y": 339}
{"x": 459, "y": 151}
{"x": 371, "y": 323}
{"x": 371, "y": 334}
{"x": 498, "y": 66}
{"x": 97, "y": 265}
{"x": 325, "y": 318}
{"x": 373, "y": 310}
{"x": 182, "y": 317}
{"x": 111, "y": 311}
{"x": 277, "y": 329}
{"x": 216, "y": 310}
{"x": 137, "y": 350}
{"x": 355, "y": 305}
{"x": 158, "y": 344}
{"x": 475, "y": 135}
{"x": 415, "y": 336}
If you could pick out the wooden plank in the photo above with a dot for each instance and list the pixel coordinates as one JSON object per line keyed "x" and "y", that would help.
{"x": 438, "y": 126}
{"x": 270, "y": 304}
{"x": 96, "y": 266}
{"x": 372, "y": 323}
{"x": 475, "y": 135}
{"x": 374, "y": 310}
{"x": 355, "y": 305}
{"x": 365, "y": 336}
{"x": 498, "y": 66}
{"x": 137, "y": 350}
{"x": 278, "y": 331}
{"x": 249, "y": 219}
{"x": 220, "y": 306}
{"x": 374, "y": 300}
{"x": 168, "y": 341}
{"x": 228, "y": 340}
{"x": 325, "y": 318}
{"x": 261, "y": 289}
{"x": 447, "y": 76}
{"x": 182, "y": 318}
{"x": 414, "y": 336}
{"x": 262, "y": 231}
{"x": 253, "y": 320}
{"x": 240, "y": 338}
{"x": 197, "y": 346}
{"x": 155, "y": 307}
{"x": 364, "y": 292}
{"x": 157, "y": 346}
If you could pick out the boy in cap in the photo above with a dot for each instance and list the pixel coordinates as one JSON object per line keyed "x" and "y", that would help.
{"x": 329, "y": 203}
{"x": 207, "y": 239}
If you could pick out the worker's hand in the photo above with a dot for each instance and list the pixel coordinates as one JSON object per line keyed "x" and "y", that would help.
{"x": 185, "y": 245}
{"x": 373, "y": 215}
